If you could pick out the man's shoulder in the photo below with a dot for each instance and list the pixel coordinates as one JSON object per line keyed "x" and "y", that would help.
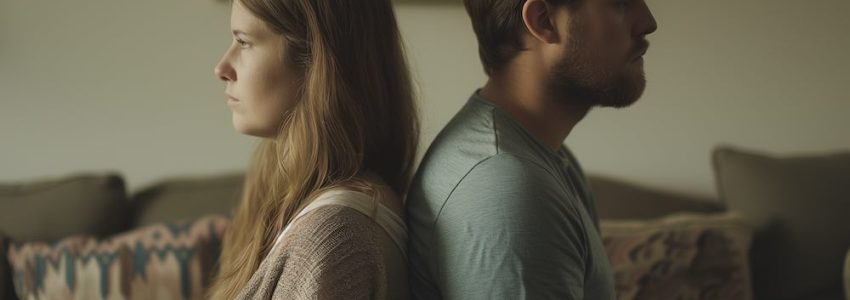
{"x": 475, "y": 134}
{"x": 508, "y": 176}
{"x": 470, "y": 154}
{"x": 450, "y": 167}
{"x": 509, "y": 194}
{"x": 465, "y": 141}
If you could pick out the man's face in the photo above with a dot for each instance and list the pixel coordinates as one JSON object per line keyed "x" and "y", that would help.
{"x": 602, "y": 63}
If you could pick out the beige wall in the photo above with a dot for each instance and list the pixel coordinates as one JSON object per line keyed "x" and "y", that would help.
{"x": 128, "y": 86}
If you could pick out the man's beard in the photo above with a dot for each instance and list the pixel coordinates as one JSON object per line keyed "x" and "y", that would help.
{"x": 580, "y": 80}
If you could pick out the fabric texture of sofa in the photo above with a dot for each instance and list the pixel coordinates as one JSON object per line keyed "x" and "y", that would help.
{"x": 50, "y": 209}
{"x": 185, "y": 198}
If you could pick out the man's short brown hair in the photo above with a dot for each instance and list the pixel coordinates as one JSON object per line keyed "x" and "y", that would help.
{"x": 498, "y": 25}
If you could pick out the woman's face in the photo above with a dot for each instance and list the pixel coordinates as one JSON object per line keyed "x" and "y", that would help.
{"x": 260, "y": 85}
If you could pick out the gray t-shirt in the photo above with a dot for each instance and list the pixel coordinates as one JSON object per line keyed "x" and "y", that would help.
{"x": 495, "y": 214}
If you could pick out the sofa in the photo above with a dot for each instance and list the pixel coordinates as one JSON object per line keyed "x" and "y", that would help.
{"x": 160, "y": 242}
{"x": 84, "y": 237}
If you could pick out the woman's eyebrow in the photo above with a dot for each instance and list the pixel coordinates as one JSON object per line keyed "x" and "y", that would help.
{"x": 240, "y": 32}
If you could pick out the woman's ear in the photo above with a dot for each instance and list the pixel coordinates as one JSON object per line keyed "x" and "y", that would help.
{"x": 539, "y": 19}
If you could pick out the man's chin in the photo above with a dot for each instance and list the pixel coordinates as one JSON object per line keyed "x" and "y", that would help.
{"x": 626, "y": 99}
{"x": 623, "y": 97}
{"x": 620, "y": 91}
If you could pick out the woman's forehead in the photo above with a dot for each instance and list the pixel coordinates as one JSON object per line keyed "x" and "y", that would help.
{"x": 243, "y": 22}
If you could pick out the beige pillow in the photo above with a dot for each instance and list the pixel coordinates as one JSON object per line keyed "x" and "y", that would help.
{"x": 801, "y": 209}
{"x": 50, "y": 209}
{"x": 186, "y": 198}
{"x": 683, "y": 256}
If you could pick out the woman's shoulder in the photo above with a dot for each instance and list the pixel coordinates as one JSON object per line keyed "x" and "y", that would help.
{"x": 331, "y": 226}
{"x": 331, "y": 251}
{"x": 333, "y": 218}
{"x": 341, "y": 217}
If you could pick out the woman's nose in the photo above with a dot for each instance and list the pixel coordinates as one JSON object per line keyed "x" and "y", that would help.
{"x": 224, "y": 71}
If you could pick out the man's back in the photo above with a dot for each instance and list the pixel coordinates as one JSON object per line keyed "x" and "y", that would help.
{"x": 495, "y": 214}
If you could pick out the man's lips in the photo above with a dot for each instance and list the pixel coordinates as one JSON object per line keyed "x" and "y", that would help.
{"x": 642, "y": 47}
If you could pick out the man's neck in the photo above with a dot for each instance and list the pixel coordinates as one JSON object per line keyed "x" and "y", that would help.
{"x": 524, "y": 97}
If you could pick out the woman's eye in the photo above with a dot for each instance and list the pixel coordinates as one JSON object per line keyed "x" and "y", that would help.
{"x": 242, "y": 43}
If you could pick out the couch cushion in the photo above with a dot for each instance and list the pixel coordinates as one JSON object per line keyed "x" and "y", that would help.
{"x": 619, "y": 199}
{"x": 50, "y": 209}
{"x": 801, "y": 209}
{"x": 682, "y": 256}
{"x": 186, "y": 198}
{"x": 165, "y": 261}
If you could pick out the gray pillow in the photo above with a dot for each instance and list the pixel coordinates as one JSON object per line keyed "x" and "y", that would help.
{"x": 50, "y": 209}
{"x": 800, "y": 207}
{"x": 186, "y": 198}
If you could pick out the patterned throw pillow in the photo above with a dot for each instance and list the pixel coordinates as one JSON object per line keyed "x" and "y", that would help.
{"x": 685, "y": 256}
{"x": 167, "y": 261}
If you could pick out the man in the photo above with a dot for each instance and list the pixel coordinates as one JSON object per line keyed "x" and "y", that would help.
{"x": 499, "y": 208}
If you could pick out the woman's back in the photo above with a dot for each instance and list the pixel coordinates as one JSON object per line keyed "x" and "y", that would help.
{"x": 345, "y": 244}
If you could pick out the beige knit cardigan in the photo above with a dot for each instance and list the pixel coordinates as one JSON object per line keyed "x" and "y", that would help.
{"x": 333, "y": 252}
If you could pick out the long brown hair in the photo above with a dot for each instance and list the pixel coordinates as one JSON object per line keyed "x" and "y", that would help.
{"x": 356, "y": 114}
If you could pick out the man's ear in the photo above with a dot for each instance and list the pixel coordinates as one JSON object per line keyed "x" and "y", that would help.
{"x": 539, "y": 19}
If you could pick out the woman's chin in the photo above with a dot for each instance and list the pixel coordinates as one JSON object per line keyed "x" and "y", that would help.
{"x": 252, "y": 131}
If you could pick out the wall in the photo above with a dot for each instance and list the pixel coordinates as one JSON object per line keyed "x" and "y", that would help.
{"x": 94, "y": 85}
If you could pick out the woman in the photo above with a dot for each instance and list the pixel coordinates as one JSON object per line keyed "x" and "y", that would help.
{"x": 325, "y": 84}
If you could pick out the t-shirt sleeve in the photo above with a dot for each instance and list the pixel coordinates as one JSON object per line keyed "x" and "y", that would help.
{"x": 507, "y": 232}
